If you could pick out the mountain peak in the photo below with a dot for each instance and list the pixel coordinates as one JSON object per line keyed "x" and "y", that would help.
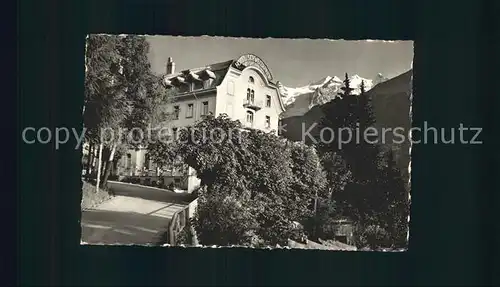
{"x": 321, "y": 82}
{"x": 322, "y": 90}
{"x": 379, "y": 78}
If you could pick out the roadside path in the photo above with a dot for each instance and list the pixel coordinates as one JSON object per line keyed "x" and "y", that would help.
{"x": 136, "y": 215}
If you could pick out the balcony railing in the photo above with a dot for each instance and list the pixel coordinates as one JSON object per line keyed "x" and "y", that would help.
{"x": 254, "y": 105}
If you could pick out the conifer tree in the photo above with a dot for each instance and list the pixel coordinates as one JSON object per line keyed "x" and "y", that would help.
{"x": 346, "y": 89}
{"x": 363, "y": 154}
{"x": 395, "y": 210}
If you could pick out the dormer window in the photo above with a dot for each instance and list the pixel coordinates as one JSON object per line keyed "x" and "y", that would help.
{"x": 207, "y": 83}
{"x": 250, "y": 80}
{"x": 197, "y": 85}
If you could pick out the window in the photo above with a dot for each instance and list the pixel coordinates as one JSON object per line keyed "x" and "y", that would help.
{"x": 197, "y": 85}
{"x": 189, "y": 111}
{"x": 184, "y": 89}
{"x": 176, "y": 112}
{"x": 250, "y": 95}
{"x": 268, "y": 101}
{"x": 207, "y": 83}
{"x": 268, "y": 121}
{"x": 250, "y": 80}
{"x": 249, "y": 117}
{"x": 204, "y": 110}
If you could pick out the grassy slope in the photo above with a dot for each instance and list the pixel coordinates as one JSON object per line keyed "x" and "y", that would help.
{"x": 91, "y": 198}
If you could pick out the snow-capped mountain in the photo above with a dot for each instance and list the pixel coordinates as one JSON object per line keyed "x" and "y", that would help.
{"x": 324, "y": 90}
{"x": 379, "y": 79}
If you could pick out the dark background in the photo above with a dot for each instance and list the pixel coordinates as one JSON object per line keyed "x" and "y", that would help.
{"x": 452, "y": 232}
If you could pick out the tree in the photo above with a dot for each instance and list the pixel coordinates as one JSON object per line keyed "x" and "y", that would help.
{"x": 397, "y": 207}
{"x": 105, "y": 99}
{"x": 340, "y": 117}
{"x": 380, "y": 205}
{"x": 363, "y": 155}
{"x": 346, "y": 89}
{"x": 349, "y": 117}
{"x": 121, "y": 92}
{"x": 337, "y": 171}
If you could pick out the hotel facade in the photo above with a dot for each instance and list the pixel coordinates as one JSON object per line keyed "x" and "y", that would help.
{"x": 242, "y": 88}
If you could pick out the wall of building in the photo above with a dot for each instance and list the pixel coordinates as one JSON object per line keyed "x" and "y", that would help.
{"x": 229, "y": 98}
{"x": 137, "y": 162}
{"x": 197, "y": 99}
{"x": 232, "y": 93}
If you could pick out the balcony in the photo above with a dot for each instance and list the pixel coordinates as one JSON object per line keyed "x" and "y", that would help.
{"x": 252, "y": 104}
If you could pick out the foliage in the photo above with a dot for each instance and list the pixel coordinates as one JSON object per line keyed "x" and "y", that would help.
{"x": 337, "y": 171}
{"x": 371, "y": 236}
{"x": 91, "y": 197}
{"x": 396, "y": 215}
{"x": 310, "y": 179}
{"x": 349, "y": 116}
{"x": 185, "y": 237}
{"x": 277, "y": 180}
{"x": 121, "y": 92}
{"x": 105, "y": 100}
{"x": 223, "y": 220}
{"x": 322, "y": 224}
{"x": 363, "y": 188}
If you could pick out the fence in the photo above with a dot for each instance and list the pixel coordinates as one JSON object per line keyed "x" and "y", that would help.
{"x": 179, "y": 221}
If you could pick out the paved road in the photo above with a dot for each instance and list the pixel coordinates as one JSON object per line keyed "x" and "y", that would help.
{"x": 136, "y": 215}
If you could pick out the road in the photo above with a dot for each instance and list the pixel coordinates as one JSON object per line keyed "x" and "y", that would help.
{"x": 135, "y": 216}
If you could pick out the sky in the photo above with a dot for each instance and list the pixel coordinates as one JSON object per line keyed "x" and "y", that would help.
{"x": 293, "y": 62}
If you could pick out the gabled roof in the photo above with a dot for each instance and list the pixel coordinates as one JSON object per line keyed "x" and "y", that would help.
{"x": 219, "y": 69}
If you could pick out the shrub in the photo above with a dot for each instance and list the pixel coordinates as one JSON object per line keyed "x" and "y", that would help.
{"x": 185, "y": 236}
{"x": 277, "y": 182}
{"x": 223, "y": 220}
{"x": 323, "y": 223}
{"x": 91, "y": 197}
{"x": 371, "y": 236}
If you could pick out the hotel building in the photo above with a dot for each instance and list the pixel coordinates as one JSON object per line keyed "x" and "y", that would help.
{"x": 242, "y": 88}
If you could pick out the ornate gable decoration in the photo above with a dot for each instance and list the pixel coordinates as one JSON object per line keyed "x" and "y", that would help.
{"x": 250, "y": 60}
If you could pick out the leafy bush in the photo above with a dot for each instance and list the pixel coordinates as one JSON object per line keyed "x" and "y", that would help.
{"x": 322, "y": 224}
{"x": 185, "y": 236}
{"x": 223, "y": 220}
{"x": 276, "y": 180}
{"x": 371, "y": 236}
{"x": 91, "y": 197}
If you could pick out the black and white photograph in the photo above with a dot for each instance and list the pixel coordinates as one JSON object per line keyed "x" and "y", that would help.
{"x": 242, "y": 142}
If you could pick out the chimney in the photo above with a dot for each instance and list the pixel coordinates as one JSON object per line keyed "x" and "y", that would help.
{"x": 170, "y": 66}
